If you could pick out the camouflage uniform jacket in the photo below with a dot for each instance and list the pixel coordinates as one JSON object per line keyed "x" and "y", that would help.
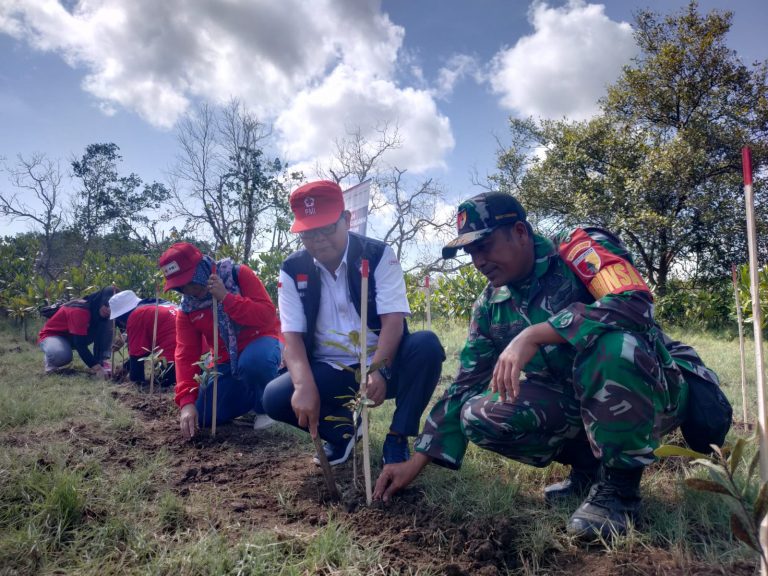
{"x": 553, "y": 293}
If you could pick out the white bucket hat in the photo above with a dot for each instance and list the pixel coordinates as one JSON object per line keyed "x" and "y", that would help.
{"x": 122, "y": 302}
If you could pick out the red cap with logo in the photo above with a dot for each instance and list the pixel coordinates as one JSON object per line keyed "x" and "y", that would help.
{"x": 178, "y": 264}
{"x": 315, "y": 205}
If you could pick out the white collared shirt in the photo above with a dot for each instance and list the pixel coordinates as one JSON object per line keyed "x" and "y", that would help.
{"x": 337, "y": 316}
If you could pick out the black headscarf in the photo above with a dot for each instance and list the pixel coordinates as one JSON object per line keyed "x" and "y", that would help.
{"x": 93, "y": 302}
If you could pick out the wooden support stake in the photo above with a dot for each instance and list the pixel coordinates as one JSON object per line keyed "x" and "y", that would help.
{"x": 364, "y": 382}
{"x": 330, "y": 482}
{"x": 742, "y": 359}
{"x": 428, "y": 302}
{"x": 214, "y": 406}
{"x": 749, "y": 202}
{"x": 112, "y": 358}
{"x": 154, "y": 345}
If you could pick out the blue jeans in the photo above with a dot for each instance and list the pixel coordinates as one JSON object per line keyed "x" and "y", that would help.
{"x": 415, "y": 373}
{"x": 257, "y": 364}
{"x": 58, "y": 349}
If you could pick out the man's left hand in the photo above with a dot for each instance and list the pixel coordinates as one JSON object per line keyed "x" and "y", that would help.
{"x": 376, "y": 388}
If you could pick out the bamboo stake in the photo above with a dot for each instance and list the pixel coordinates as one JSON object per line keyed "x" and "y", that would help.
{"x": 746, "y": 160}
{"x": 742, "y": 359}
{"x": 364, "y": 382}
{"x": 327, "y": 472}
{"x": 428, "y": 293}
{"x": 154, "y": 344}
{"x": 215, "y": 305}
{"x": 112, "y": 358}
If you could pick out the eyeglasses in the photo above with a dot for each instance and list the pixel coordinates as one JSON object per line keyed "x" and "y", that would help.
{"x": 316, "y": 233}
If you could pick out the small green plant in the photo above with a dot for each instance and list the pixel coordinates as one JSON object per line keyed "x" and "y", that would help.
{"x": 157, "y": 363}
{"x": 207, "y": 368}
{"x": 204, "y": 378}
{"x": 722, "y": 467}
{"x": 20, "y": 308}
{"x": 357, "y": 401}
{"x": 119, "y": 349}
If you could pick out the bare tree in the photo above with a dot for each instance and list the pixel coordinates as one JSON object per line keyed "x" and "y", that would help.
{"x": 414, "y": 225}
{"x": 356, "y": 158}
{"x": 223, "y": 179}
{"x": 36, "y": 177}
{"x": 407, "y": 208}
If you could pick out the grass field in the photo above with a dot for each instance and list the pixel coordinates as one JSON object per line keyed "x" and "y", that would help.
{"x": 94, "y": 479}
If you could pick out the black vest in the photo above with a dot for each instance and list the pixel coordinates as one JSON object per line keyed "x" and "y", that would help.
{"x": 300, "y": 266}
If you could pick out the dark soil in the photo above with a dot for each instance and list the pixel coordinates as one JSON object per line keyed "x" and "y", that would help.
{"x": 266, "y": 479}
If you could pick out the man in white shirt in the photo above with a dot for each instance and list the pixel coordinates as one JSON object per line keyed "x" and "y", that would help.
{"x": 319, "y": 304}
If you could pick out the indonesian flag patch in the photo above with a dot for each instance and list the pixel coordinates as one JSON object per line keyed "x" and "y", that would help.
{"x": 301, "y": 281}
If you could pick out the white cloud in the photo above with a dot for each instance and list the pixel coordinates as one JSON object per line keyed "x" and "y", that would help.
{"x": 457, "y": 67}
{"x": 297, "y": 61}
{"x": 563, "y": 67}
{"x": 346, "y": 100}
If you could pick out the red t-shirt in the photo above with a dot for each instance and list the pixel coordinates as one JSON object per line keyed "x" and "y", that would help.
{"x": 253, "y": 310}
{"x": 141, "y": 324}
{"x": 67, "y": 321}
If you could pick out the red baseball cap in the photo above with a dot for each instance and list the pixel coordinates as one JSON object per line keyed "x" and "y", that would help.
{"x": 178, "y": 264}
{"x": 315, "y": 205}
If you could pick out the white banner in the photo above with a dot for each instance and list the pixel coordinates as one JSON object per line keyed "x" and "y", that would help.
{"x": 356, "y": 201}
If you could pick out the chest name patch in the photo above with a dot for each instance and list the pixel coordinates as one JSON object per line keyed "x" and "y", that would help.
{"x": 601, "y": 271}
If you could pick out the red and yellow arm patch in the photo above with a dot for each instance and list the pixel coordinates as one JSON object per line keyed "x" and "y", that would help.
{"x": 601, "y": 271}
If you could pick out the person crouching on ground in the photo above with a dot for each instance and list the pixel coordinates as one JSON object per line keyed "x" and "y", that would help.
{"x": 77, "y": 325}
{"x": 319, "y": 303}
{"x": 249, "y": 346}
{"x": 602, "y": 383}
{"x": 136, "y": 318}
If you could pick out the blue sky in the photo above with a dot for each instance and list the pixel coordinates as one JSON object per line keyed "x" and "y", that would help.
{"x": 449, "y": 72}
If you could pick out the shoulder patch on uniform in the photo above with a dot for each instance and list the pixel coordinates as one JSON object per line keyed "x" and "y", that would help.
{"x": 601, "y": 271}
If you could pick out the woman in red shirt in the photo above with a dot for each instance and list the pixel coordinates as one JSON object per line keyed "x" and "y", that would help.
{"x": 76, "y": 325}
{"x": 249, "y": 349}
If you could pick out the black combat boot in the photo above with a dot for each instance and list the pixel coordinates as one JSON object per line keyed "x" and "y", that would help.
{"x": 585, "y": 470}
{"x": 613, "y": 502}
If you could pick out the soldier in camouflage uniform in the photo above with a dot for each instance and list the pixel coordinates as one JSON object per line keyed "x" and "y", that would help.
{"x": 601, "y": 382}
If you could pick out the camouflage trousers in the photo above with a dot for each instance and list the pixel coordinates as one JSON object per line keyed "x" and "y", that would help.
{"x": 625, "y": 394}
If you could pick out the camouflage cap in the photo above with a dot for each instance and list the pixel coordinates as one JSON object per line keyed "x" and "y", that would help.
{"x": 481, "y": 215}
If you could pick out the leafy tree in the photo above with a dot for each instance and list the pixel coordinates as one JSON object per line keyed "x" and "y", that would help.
{"x": 662, "y": 164}
{"x": 108, "y": 202}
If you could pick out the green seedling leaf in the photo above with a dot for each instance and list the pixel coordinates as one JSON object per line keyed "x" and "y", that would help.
{"x": 711, "y": 465}
{"x": 332, "y": 418}
{"x": 735, "y": 459}
{"x": 340, "y": 346}
{"x": 706, "y": 486}
{"x": 667, "y": 450}
{"x": 761, "y": 504}
{"x": 741, "y": 532}
{"x": 354, "y": 338}
{"x": 345, "y": 367}
{"x": 753, "y": 464}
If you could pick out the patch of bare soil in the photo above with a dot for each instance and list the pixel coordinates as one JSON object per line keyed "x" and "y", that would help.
{"x": 266, "y": 480}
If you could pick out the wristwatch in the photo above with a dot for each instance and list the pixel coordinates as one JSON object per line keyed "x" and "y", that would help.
{"x": 386, "y": 372}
